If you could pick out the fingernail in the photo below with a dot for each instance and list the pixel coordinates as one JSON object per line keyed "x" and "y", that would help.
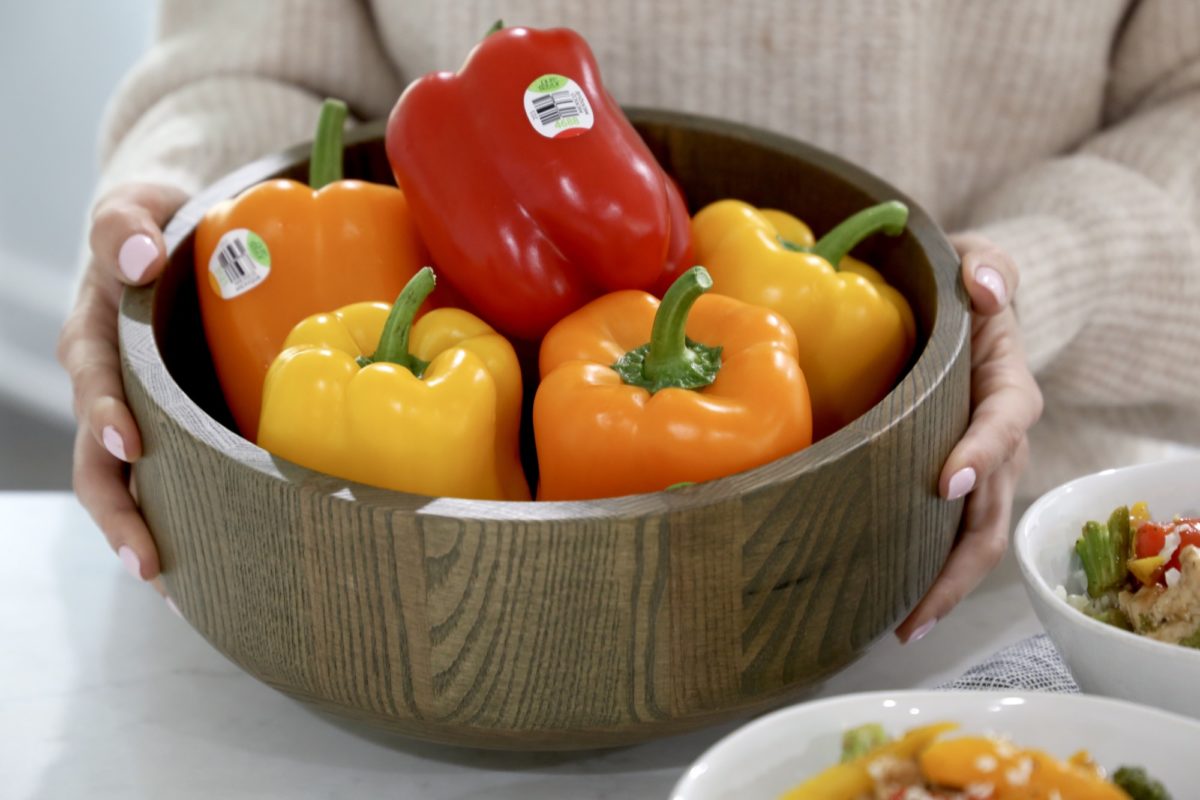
{"x": 990, "y": 279}
{"x": 921, "y": 632}
{"x": 133, "y": 564}
{"x": 174, "y": 608}
{"x": 961, "y": 482}
{"x": 136, "y": 255}
{"x": 113, "y": 442}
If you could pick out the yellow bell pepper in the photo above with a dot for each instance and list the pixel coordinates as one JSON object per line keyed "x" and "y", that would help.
{"x": 441, "y": 420}
{"x": 856, "y": 332}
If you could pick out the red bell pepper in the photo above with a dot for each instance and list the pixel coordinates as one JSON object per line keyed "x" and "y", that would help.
{"x": 532, "y": 191}
{"x": 1151, "y": 540}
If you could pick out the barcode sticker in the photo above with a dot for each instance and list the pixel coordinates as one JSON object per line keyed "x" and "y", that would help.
{"x": 240, "y": 262}
{"x": 557, "y": 108}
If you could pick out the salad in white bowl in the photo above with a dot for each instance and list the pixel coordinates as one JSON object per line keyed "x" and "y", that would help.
{"x": 1141, "y": 574}
{"x": 1118, "y": 590}
{"x": 951, "y": 745}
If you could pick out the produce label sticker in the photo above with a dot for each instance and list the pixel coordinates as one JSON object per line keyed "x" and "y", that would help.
{"x": 240, "y": 262}
{"x": 556, "y": 107}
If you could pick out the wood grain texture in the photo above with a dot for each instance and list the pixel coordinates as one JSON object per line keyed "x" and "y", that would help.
{"x": 558, "y": 625}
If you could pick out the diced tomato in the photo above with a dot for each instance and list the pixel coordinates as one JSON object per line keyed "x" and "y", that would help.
{"x": 1150, "y": 538}
{"x": 1187, "y": 535}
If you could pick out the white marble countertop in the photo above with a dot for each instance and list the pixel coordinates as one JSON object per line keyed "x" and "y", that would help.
{"x": 104, "y": 693}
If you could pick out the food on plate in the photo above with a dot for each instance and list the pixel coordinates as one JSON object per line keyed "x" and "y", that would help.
{"x": 637, "y": 395}
{"x": 282, "y": 250}
{"x": 1142, "y": 575}
{"x": 856, "y": 333}
{"x": 927, "y": 764}
{"x": 531, "y": 188}
{"x": 432, "y": 408}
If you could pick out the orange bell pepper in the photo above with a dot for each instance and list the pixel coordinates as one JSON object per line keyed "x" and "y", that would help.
{"x": 282, "y": 251}
{"x": 717, "y": 390}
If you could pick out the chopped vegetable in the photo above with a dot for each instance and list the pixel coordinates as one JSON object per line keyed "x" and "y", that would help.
{"x": 1139, "y": 785}
{"x": 859, "y": 741}
{"x": 1192, "y": 641}
{"x": 1139, "y": 513}
{"x": 1120, "y": 530}
{"x": 853, "y": 779}
{"x": 928, "y": 763}
{"x": 1102, "y": 551}
{"x": 1147, "y": 570}
{"x": 1115, "y": 617}
{"x": 1013, "y": 772}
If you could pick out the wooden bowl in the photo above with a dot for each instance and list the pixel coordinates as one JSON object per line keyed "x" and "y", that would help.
{"x": 558, "y": 625}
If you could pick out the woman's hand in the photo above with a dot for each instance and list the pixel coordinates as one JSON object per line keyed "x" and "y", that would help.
{"x": 986, "y": 462}
{"x": 126, "y": 249}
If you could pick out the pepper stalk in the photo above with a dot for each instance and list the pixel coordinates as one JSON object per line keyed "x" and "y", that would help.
{"x": 888, "y": 218}
{"x": 670, "y": 359}
{"x": 325, "y": 161}
{"x": 393, "y": 342}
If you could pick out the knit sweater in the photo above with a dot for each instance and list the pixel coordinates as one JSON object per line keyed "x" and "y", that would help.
{"x": 1066, "y": 131}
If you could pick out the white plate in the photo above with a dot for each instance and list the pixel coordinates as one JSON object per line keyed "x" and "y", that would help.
{"x": 765, "y": 758}
{"x": 1106, "y": 660}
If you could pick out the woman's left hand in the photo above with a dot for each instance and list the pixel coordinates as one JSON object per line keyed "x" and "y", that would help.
{"x": 986, "y": 462}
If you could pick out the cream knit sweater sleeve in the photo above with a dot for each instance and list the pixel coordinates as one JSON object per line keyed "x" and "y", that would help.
{"x": 1107, "y": 240}
{"x": 230, "y": 80}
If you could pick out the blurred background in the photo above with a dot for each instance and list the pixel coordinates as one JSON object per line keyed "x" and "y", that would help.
{"x": 60, "y": 62}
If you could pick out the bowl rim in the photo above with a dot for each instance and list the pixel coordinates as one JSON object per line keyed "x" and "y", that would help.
{"x": 949, "y": 335}
{"x": 1121, "y": 708}
{"x": 1037, "y": 585}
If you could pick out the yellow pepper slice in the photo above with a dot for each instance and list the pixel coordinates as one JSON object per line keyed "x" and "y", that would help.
{"x": 1146, "y": 570}
{"x": 850, "y": 780}
{"x": 441, "y": 420}
{"x": 856, "y": 332}
{"x": 1011, "y": 772}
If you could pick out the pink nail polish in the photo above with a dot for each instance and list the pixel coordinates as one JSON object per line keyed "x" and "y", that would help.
{"x": 130, "y": 560}
{"x": 921, "y": 632}
{"x": 136, "y": 255}
{"x": 961, "y": 482}
{"x": 174, "y": 608}
{"x": 113, "y": 442}
{"x": 990, "y": 279}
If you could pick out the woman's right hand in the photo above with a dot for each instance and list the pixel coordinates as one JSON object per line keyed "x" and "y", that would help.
{"x": 126, "y": 249}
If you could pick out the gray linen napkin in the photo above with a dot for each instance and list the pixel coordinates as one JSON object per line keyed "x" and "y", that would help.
{"x": 1031, "y": 664}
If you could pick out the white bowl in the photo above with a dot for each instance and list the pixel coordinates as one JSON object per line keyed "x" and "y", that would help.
{"x": 765, "y": 758}
{"x": 1104, "y": 659}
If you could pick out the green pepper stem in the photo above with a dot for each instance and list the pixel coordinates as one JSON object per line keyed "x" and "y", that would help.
{"x": 325, "y": 163}
{"x": 498, "y": 25}
{"x": 670, "y": 359}
{"x": 889, "y": 218}
{"x": 393, "y": 342}
{"x": 668, "y": 339}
